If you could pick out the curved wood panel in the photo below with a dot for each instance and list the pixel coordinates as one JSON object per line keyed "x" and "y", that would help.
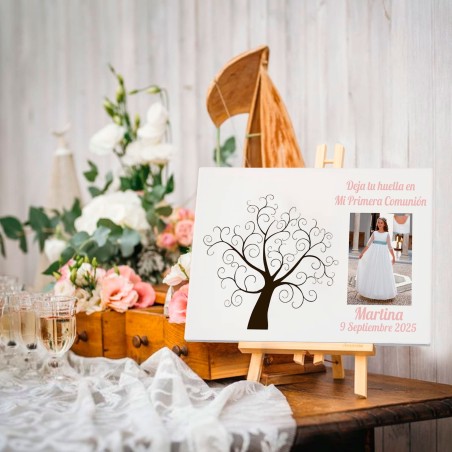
{"x": 235, "y": 85}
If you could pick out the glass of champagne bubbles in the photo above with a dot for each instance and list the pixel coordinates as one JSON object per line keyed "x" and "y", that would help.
{"x": 8, "y": 330}
{"x": 56, "y": 329}
{"x": 23, "y": 304}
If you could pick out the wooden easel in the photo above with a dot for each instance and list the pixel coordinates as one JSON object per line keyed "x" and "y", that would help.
{"x": 318, "y": 349}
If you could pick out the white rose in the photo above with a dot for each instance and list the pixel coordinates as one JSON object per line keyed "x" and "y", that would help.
{"x": 157, "y": 115}
{"x": 185, "y": 262}
{"x": 156, "y": 123}
{"x": 154, "y": 134}
{"x": 103, "y": 141}
{"x": 85, "y": 270}
{"x": 64, "y": 287}
{"x": 123, "y": 208}
{"x": 175, "y": 276}
{"x": 53, "y": 248}
{"x": 159, "y": 154}
{"x": 143, "y": 152}
{"x": 133, "y": 155}
{"x": 88, "y": 304}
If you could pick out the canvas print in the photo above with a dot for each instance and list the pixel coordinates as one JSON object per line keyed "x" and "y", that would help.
{"x": 311, "y": 256}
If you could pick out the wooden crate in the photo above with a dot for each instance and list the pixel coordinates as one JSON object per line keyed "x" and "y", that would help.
{"x": 139, "y": 333}
{"x": 209, "y": 360}
{"x": 144, "y": 332}
{"x": 147, "y": 330}
{"x": 100, "y": 334}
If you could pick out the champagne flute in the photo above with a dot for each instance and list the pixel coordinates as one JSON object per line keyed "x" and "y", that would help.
{"x": 8, "y": 328}
{"x": 24, "y": 304}
{"x": 56, "y": 321}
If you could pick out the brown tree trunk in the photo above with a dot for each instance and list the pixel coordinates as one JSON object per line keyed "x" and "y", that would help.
{"x": 259, "y": 316}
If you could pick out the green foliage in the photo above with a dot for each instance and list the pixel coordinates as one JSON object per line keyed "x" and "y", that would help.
{"x": 223, "y": 153}
{"x": 43, "y": 224}
{"x": 92, "y": 173}
{"x": 40, "y": 223}
{"x": 94, "y": 191}
{"x": 14, "y": 230}
{"x": 109, "y": 243}
{"x": 68, "y": 217}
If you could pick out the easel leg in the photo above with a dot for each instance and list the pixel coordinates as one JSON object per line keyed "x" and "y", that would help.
{"x": 318, "y": 359}
{"x": 361, "y": 376}
{"x": 338, "y": 368}
{"x": 299, "y": 358}
{"x": 255, "y": 369}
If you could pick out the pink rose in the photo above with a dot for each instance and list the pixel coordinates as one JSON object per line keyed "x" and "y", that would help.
{"x": 177, "y": 308}
{"x": 100, "y": 274}
{"x": 146, "y": 294}
{"x": 64, "y": 271}
{"x": 166, "y": 240}
{"x": 184, "y": 232}
{"x": 185, "y": 214}
{"x": 126, "y": 272}
{"x": 117, "y": 293}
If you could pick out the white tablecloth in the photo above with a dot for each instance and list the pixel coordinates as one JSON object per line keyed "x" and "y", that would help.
{"x": 116, "y": 405}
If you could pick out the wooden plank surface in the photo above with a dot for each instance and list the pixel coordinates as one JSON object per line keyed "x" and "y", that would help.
{"x": 321, "y": 404}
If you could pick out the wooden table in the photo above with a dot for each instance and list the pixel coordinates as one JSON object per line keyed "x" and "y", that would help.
{"x": 330, "y": 417}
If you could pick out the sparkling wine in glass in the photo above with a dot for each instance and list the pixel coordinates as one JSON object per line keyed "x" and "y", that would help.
{"x": 24, "y": 304}
{"x": 9, "y": 326}
{"x": 56, "y": 320}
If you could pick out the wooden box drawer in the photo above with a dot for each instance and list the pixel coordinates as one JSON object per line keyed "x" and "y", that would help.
{"x": 100, "y": 334}
{"x": 209, "y": 360}
{"x": 144, "y": 332}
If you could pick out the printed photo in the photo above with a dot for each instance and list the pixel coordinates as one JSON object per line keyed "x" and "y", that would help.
{"x": 380, "y": 259}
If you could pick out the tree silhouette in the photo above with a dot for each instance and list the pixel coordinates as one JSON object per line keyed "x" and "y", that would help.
{"x": 269, "y": 255}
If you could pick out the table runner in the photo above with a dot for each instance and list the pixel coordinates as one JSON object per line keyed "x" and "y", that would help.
{"x": 162, "y": 405}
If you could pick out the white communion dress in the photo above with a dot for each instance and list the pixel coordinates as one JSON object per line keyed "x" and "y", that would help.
{"x": 375, "y": 278}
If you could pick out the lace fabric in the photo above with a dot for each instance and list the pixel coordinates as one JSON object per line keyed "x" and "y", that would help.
{"x": 162, "y": 405}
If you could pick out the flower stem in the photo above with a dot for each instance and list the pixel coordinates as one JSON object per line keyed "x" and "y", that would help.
{"x": 218, "y": 151}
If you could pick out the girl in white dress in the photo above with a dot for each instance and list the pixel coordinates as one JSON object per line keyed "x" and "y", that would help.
{"x": 375, "y": 278}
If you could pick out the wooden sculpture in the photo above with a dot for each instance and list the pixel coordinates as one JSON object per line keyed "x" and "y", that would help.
{"x": 244, "y": 86}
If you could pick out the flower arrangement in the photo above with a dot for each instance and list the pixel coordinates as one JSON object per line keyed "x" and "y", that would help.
{"x": 97, "y": 289}
{"x": 128, "y": 232}
{"x": 128, "y": 223}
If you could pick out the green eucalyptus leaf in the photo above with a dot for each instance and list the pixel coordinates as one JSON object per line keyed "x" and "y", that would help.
{"x": 88, "y": 248}
{"x": 68, "y": 253}
{"x": 78, "y": 239}
{"x": 108, "y": 180}
{"x": 68, "y": 217}
{"x": 164, "y": 211}
{"x": 14, "y": 230}
{"x": 127, "y": 242}
{"x": 157, "y": 194}
{"x": 106, "y": 253}
{"x": 152, "y": 217}
{"x": 170, "y": 185}
{"x": 157, "y": 177}
{"x": 115, "y": 230}
{"x": 101, "y": 234}
{"x": 92, "y": 173}
{"x": 125, "y": 183}
{"x": 94, "y": 191}
{"x": 41, "y": 225}
{"x": 52, "y": 268}
{"x": 227, "y": 150}
{"x": 161, "y": 225}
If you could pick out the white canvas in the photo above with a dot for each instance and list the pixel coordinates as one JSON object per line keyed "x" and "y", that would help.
{"x": 303, "y": 217}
